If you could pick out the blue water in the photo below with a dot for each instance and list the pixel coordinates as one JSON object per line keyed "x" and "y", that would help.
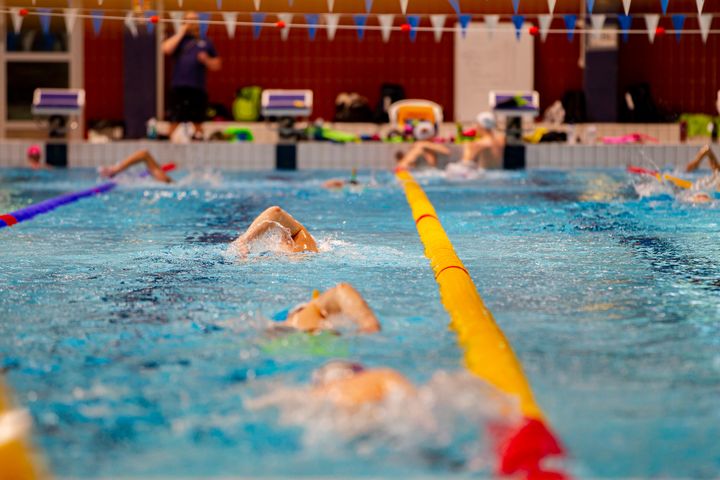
{"x": 136, "y": 341}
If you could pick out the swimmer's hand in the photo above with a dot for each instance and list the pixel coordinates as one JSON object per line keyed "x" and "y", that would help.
{"x": 240, "y": 248}
{"x": 107, "y": 172}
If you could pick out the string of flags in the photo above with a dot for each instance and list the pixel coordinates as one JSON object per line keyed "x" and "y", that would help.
{"x": 411, "y": 24}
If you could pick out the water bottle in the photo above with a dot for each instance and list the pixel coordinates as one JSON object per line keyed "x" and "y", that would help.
{"x": 152, "y": 129}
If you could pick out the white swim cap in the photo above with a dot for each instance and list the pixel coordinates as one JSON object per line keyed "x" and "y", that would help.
{"x": 486, "y": 120}
{"x": 424, "y": 131}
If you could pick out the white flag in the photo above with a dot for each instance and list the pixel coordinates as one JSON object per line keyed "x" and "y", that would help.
{"x": 17, "y": 19}
{"x": 230, "y": 19}
{"x": 130, "y": 24}
{"x": 626, "y": 6}
{"x": 700, "y": 4}
{"x": 331, "y": 19}
{"x": 386, "y": 24}
{"x": 403, "y": 6}
{"x": 70, "y": 17}
{"x": 177, "y": 18}
{"x": 286, "y": 18}
{"x": 257, "y": 4}
{"x": 598, "y": 22}
{"x": 491, "y": 22}
{"x": 551, "y": 6}
{"x": 438, "y": 24}
{"x": 331, "y": 5}
{"x": 705, "y": 20}
{"x": 180, "y": 3}
{"x": 544, "y": 21}
{"x": 651, "y": 22}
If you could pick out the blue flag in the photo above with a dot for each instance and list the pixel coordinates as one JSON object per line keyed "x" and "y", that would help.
{"x": 625, "y": 22}
{"x": 590, "y": 5}
{"x": 570, "y": 21}
{"x": 464, "y": 21}
{"x": 360, "y": 21}
{"x": 413, "y": 21}
{"x": 97, "y": 19}
{"x": 455, "y": 5}
{"x": 516, "y": 5}
{"x": 518, "y": 21}
{"x": 312, "y": 20}
{"x": 149, "y": 25}
{"x": 678, "y": 24}
{"x": 257, "y": 20}
{"x": 44, "y": 20}
{"x": 203, "y": 17}
{"x": 368, "y": 5}
{"x": 664, "y": 5}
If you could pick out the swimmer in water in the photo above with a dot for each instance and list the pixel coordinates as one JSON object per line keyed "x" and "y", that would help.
{"x": 490, "y": 145}
{"x": 342, "y": 299}
{"x": 427, "y": 150}
{"x": 351, "y": 385}
{"x": 141, "y": 156}
{"x": 705, "y": 152}
{"x": 298, "y": 239}
{"x": 33, "y": 158}
{"x": 337, "y": 183}
{"x": 706, "y": 183}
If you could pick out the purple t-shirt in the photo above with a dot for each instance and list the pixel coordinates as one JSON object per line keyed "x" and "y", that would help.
{"x": 189, "y": 72}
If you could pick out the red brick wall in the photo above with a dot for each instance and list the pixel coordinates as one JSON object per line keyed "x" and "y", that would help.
{"x": 104, "y": 71}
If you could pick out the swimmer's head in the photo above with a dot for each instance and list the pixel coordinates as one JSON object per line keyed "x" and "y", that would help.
{"x": 334, "y": 371}
{"x": 700, "y": 197}
{"x": 33, "y": 153}
{"x": 486, "y": 120}
{"x": 192, "y": 21}
{"x": 399, "y": 155}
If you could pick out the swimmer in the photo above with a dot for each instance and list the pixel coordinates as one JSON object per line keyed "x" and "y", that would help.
{"x": 705, "y": 152}
{"x": 299, "y": 239}
{"x": 707, "y": 183}
{"x": 350, "y": 384}
{"x": 33, "y": 158}
{"x": 342, "y": 299}
{"x": 337, "y": 183}
{"x": 490, "y": 145}
{"x": 141, "y": 156}
{"x": 423, "y": 148}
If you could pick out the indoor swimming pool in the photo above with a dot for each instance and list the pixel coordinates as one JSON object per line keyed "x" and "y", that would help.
{"x": 141, "y": 344}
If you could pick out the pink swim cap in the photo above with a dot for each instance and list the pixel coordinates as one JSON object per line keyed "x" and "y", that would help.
{"x": 33, "y": 151}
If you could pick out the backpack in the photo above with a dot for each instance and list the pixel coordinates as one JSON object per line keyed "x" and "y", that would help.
{"x": 246, "y": 107}
{"x": 352, "y": 107}
{"x": 389, "y": 94}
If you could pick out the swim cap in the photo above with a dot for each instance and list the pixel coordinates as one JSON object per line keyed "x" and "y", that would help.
{"x": 486, "y": 120}
{"x": 424, "y": 131}
{"x": 33, "y": 151}
{"x": 335, "y": 370}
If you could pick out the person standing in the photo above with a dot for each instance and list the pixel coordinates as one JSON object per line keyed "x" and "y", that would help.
{"x": 194, "y": 56}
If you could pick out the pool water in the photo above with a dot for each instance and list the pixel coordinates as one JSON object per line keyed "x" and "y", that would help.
{"x": 139, "y": 343}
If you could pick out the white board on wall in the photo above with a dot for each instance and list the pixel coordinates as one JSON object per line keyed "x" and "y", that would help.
{"x": 484, "y": 63}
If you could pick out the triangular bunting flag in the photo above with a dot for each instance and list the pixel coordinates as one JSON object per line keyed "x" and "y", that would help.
{"x": 331, "y": 5}
{"x": 518, "y": 21}
{"x": 44, "y": 14}
{"x": 464, "y": 20}
{"x": 368, "y": 5}
{"x": 70, "y": 17}
{"x": 331, "y": 20}
{"x": 97, "y": 19}
{"x": 664, "y": 6}
{"x": 651, "y": 23}
{"x": 312, "y": 20}
{"x": 360, "y": 21}
{"x": 203, "y": 17}
{"x": 130, "y": 24}
{"x": 700, "y": 4}
{"x": 626, "y": 6}
{"x": 705, "y": 20}
{"x": 290, "y": 3}
{"x": 678, "y": 21}
{"x": 544, "y": 21}
{"x": 176, "y": 17}
{"x": 551, "y": 6}
{"x": 148, "y": 24}
{"x": 230, "y": 19}
{"x": 218, "y": 4}
{"x": 386, "y": 23}
{"x": 491, "y": 23}
{"x": 286, "y": 18}
{"x": 516, "y": 5}
{"x": 590, "y": 5}
{"x": 257, "y": 5}
{"x": 257, "y": 21}
{"x": 403, "y": 6}
{"x": 438, "y": 24}
{"x": 625, "y": 22}
{"x": 570, "y": 21}
{"x": 413, "y": 21}
{"x": 455, "y": 4}
{"x": 17, "y": 19}
{"x": 180, "y": 3}
{"x": 598, "y": 22}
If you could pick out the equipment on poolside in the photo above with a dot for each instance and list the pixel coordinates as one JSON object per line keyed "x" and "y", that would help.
{"x": 246, "y": 106}
{"x": 514, "y": 106}
{"x": 286, "y": 106}
{"x": 414, "y": 118}
{"x": 29, "y": 212}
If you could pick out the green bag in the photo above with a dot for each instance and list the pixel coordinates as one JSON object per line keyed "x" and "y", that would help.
{"x": 246, "y": 107}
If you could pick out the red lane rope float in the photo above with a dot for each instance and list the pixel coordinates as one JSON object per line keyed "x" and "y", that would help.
{"x": 521, "y": 447}
{"x": 29, "y": 212}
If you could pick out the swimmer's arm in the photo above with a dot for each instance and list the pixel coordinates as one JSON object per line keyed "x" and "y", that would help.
{"x": 410, "y": 158}
{"x": 436, "y": 148}
{"x": 141, "y": 156}
{"x": 345, "y": 299}
{"x": 705, "y": 152}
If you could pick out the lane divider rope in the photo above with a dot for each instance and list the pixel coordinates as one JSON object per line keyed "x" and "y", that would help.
{"x": 487, "y": 352}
